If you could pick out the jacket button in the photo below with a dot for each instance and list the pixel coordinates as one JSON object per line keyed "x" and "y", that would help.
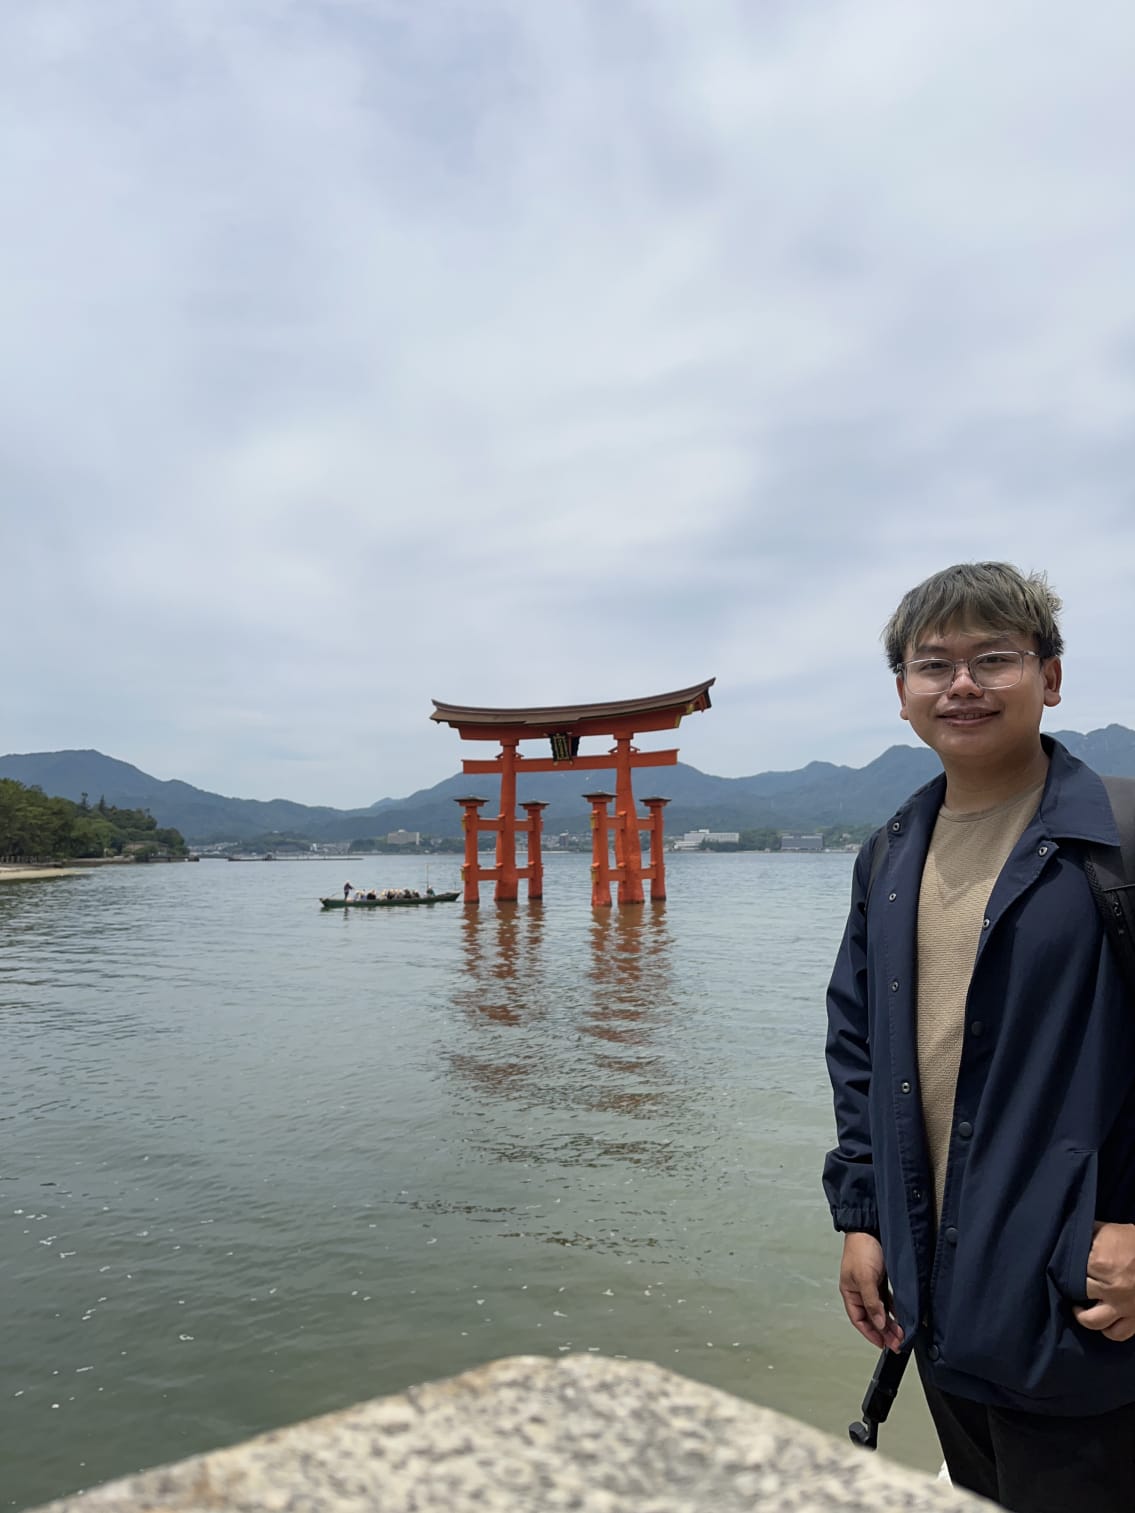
{"x": 1042, "y": 850}
{"x": 904, "y": 1087}
{"x": 891, "y": 897}
{"x": 916, "y": 1194}
{"x": 950, "y": 1235}
{"x": 965, "y": 1129}
{"x": 977, "y": 1028}
{"x": 934, "y": 1353}
{"x": 895, "y": 986}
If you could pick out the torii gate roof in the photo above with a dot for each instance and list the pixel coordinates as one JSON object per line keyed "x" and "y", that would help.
{"x": 657, "y": 712}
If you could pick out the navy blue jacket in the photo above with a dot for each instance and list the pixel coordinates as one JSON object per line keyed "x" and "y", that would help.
{"x": 1043, "y": 1138}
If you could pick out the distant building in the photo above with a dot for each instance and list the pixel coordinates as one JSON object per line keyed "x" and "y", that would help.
{"x": 792, "y": 842}
{"x": 695, "y": 838}
{"x": 404, "y": 838}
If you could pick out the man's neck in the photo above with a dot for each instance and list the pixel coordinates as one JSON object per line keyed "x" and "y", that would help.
{"x": 970, "y": 789}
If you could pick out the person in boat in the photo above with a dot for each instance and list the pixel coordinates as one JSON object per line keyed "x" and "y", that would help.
{"x": 981, "y": 1047}
{"x": 429, "y": 891}
{"x": 371, "y": 895}
{"x": 346, "y": 891}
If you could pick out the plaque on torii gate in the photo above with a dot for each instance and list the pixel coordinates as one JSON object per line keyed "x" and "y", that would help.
{"x": 564, "y": 726}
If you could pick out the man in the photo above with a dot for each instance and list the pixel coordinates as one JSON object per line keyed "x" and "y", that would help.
{"x": 982, "y": 1053}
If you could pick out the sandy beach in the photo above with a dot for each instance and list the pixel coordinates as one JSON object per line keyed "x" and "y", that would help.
{"x": 10, "y": 872}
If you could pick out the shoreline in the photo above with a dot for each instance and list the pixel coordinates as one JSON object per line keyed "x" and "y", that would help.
{"x": 14, "y": 873}
{"x": 79, "y": 866}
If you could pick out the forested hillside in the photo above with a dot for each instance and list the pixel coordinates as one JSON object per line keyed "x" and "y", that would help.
{"x": 35, "y": 825}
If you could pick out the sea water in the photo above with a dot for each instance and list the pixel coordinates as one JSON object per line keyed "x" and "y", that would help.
{"x": 259, "y": 1160}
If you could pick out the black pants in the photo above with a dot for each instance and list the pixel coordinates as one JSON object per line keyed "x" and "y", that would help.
{"x": 1034, "y": 1462}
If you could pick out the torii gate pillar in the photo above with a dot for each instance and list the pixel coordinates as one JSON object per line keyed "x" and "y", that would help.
{"x": 472, "y": 824}
{"x": 601, "y": 870}
{"x": 657, "y": 868}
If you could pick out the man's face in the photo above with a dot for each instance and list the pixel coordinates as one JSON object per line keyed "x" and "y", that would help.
{"x": 968, "y": 723}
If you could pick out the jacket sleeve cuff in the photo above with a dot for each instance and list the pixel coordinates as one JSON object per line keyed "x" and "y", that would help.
{"x": 856, "y": 1220}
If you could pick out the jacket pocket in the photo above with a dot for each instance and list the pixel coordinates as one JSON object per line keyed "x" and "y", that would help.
{"x": 1004, "y": 1298}
{"x": 1068, "y": 1265}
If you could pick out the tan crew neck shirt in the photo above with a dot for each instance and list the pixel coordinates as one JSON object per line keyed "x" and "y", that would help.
{"x": 966, "y": 855}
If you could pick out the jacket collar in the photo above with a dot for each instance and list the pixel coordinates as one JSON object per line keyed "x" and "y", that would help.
{"x": 1074, "y": 805}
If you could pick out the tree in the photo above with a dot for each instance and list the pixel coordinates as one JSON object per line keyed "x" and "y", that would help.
{"x": 760, "y": 840}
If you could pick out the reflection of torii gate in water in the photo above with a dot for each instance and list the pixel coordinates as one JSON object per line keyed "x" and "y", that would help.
{"x": 564, "y": 726}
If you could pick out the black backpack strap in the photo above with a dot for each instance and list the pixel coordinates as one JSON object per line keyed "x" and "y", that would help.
{"x": 1110, "y": 871}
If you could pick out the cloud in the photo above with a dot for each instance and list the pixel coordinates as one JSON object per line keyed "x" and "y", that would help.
{"x": 358, "y": 353}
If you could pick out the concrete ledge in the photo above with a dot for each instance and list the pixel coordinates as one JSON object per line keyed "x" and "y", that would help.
{"x": 529, "y": 1435}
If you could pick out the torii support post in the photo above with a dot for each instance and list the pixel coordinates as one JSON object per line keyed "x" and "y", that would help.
{"x": 601, "y": 870}
{"x": 508, "y": 884}
{"x": 534, "y": 871}
{"x": 657, "y": 868}
{"x": 471, "y": 824}
{"x": 628, "y": 850}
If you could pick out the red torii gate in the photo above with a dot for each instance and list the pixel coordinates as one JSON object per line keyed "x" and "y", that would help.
{"x": 564, "y": 726}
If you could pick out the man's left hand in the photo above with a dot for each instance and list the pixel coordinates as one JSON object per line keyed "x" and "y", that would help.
{"x": 1111, "y": 1282}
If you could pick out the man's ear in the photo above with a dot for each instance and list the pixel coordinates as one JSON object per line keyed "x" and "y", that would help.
{"x": 901, "y": 686}
{"x": 1052, "y": 673}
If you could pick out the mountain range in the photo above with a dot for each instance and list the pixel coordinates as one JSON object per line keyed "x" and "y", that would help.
{"x": 818, "y": 795}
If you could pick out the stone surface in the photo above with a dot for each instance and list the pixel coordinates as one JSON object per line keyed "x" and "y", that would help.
{"x": 526, "y": 1434}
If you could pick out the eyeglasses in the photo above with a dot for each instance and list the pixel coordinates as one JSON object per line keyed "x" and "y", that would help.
{"x": 990, "y": 669}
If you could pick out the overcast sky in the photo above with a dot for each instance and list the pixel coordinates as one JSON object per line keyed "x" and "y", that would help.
{"x": 358, "y": 352}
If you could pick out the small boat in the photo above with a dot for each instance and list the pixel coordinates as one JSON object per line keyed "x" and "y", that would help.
{"x": 390, "y": 903}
